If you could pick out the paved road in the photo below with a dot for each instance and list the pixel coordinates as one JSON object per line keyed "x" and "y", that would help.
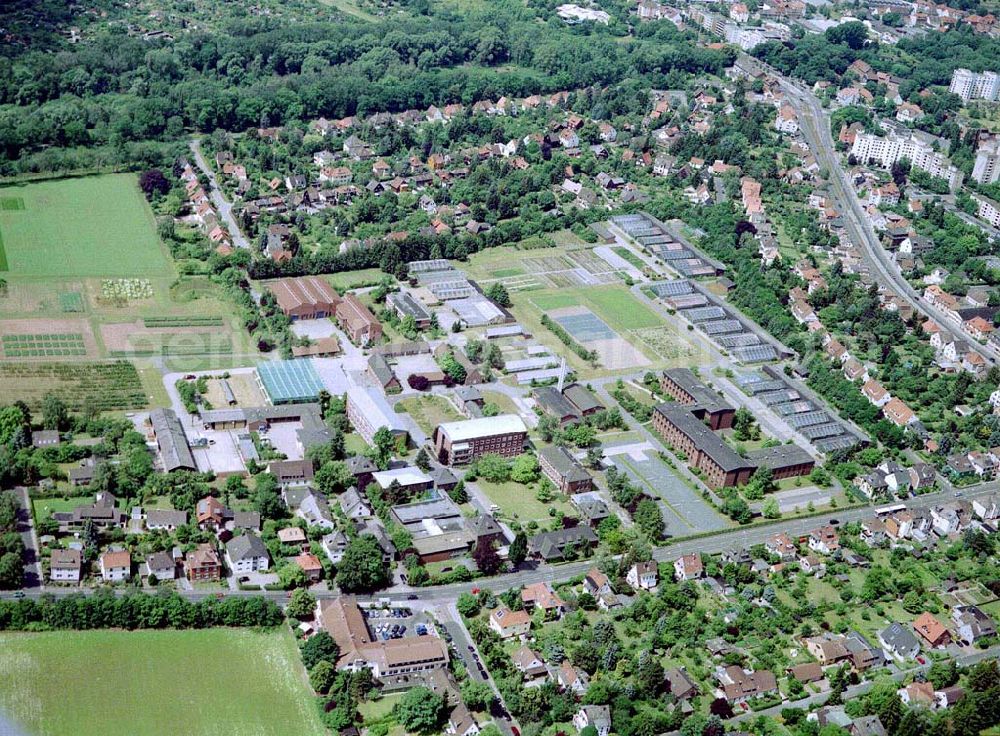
{"x": 26, "y": 528}
{"x": 222, "y": 205}
{"x": 815, "y": 125}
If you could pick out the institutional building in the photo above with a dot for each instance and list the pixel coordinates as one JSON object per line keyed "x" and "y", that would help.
{"x": 462, "y": 442}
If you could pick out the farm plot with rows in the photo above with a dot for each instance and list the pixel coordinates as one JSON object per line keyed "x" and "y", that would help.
{"x": 112, "y": 386}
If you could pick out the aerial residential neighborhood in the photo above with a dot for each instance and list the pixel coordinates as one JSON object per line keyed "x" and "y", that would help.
{"x": 600, "y": 369}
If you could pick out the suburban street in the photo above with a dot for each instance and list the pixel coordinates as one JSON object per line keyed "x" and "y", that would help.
{"x": 530, "y": 572}
{"x": 222, "y": 205}
{"x": 814, "y": 122}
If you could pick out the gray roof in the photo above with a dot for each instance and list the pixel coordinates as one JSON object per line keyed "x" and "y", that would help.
{"x": 359, "y": 464}
{"x": 159, "y": 561}
{"x": 703, "y": 396}
{"x": 407, "y": 305}
{"x": 442, "y": 476}
{"x": 899, "y": 638}
{"x": 246, "y": 547}
{"x": 554, "y": 403}
{"x": 564, "y": 463}
{"x": 703, "y": 437}
{"x": 550, "y": 545}
{"x": 246, "y": 520}
{"x": 582, "y": 398}
{"x": 780, "y": 456}
{"x": 172, "y": 441}
{"x": 166, "y": 517}
{"x": 380, "y": 367}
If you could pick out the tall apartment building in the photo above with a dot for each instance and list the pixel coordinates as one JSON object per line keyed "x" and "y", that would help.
{"x": 986, "y": 170}
{"x": 988, "y": 210}
{"x": 892, "y": 148}
{"x": 457, "y": 443}
{"x": 971, "y": 85}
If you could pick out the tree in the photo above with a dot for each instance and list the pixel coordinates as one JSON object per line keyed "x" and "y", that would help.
{"x": 8, "y": 512}
{"x": 423, "y": 460}
{"x": 476, "y": 695}
{"x": 267, "y": 497}
{"x": 319, "y": 647}
{"x": 467, "y": 604}
{"x": 12, "y": 419}
{"x": 761, "y": 483}
{"x": 301, "y": 605}
{"x": 362, "y": 568}
{"x": 745, "y": 426}
{"x": 152, "y": 181}
{"x": 486, "y": 557}
{"x": 333, "y": 477}
{"x": 322, "y": 676}
{"x": 493, "y": 468}
{"x": 420, "y": 710}
{"x": 525, "y": 469}
{"x": 291, "y": 576}
{"x": 649, "y": 519}
{"x": 55, "y": 414}
{"x": 518, "y": 550}
{"x": 497, "y": 293}
{"x": 770, "y": 509}
{"x": 383, "y": 446}
{"x": 454, "y": 369}
{"x": 11, "y": 571}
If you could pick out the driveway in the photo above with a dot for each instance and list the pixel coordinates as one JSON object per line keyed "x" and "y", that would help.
{"x": 26, "y": 528}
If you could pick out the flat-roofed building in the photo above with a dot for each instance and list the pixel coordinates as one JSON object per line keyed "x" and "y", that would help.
{"x": 305, "y": 297}
{"x": 462, "y": 442}
{"x": 784, "y": 461}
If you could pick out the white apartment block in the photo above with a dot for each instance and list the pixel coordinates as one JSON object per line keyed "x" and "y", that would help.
{"x": 986, "y": 170}
{"x": 975, "y": 86}
{"x": 988, "y": 210}
{"x": 887, "y": 151}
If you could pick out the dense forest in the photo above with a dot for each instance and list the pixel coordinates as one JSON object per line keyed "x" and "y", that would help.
{"x": 118, "y": 89}
{"x": 920, "y": 62}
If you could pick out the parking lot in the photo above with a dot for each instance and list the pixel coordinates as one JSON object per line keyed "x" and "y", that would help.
{"x": 684, "y": 510}
{"x": 397, "y": 622}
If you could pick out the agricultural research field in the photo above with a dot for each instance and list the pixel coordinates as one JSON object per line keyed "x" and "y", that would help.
{"x": 112, "y": 386}
{"x": 114, "y": 683}
{"x": 91, "y": 226}
{"x": 560, "y": 267}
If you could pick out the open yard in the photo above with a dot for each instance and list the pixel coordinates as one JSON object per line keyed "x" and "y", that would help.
{"x": 111, "y": 683}
{"x": 430, "y": 411}
{"x": 517, "y": 502}
{"x": 91, "y": 226}
{"x": 43, "y": 508}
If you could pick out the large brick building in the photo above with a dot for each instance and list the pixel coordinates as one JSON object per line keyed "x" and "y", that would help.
{"x": 457, "y": 443}
{"x": 357, "y": 321}
{"x": 705, "y": 450}
{"x": 305, "y": 297}
{"x": 704, "y": 403}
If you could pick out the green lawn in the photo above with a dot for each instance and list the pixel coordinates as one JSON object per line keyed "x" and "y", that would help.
{"x": 356, "y": 279}
{"x": 614, "y": 304}
{"x": 91, "y": 226}
{"x": 430, "y": 411}
{"x": 43, "y": 507}
{"x": 518, "y": 502}
{"x": 111, "y": 683}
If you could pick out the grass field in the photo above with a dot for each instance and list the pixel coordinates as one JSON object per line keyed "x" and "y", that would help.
{"x": 430, "y": 411}
{"x": 110, "y": 683}
{"x": 518, "y": 502}
{"x": 614, "y": 304}
{"x": 91, "y": 226}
